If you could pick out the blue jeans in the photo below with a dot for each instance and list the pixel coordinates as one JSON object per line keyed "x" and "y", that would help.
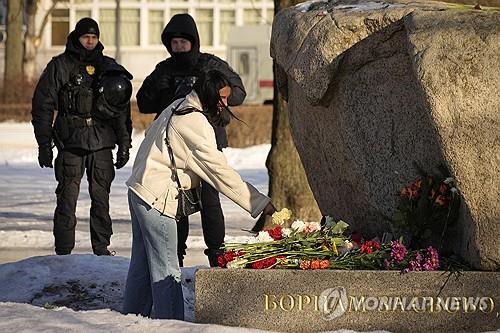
{"x": 154, "y": 276}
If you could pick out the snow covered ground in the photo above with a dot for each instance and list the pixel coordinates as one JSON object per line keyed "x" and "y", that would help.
{"x": 78, "y": 282}
{"x": 27, "y": 200}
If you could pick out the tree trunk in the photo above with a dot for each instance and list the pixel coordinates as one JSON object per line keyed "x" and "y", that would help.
{"x": 13, "y": 74}
{"x": 31, "y": 41}
{"x": 288, "y": 185}
{"x": 33, "y": 37}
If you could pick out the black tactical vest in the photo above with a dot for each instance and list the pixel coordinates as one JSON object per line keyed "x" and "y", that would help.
{"x": 76, "y": 97}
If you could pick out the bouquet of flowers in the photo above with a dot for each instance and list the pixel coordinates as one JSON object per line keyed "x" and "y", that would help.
{"x": 310, "y": 245}
{"x": 426, "y": 208}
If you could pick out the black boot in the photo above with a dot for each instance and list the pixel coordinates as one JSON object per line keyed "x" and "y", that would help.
{"x": 63, "y": 251}
{"x": 213, "y": 256}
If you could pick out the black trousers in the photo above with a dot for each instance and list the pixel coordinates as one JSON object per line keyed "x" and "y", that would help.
{"x": 69, "y": 168}
{"x": 212, "y": 223}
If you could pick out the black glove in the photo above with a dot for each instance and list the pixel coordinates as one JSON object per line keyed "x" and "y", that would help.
{"x": 122, "y": 157}
{"x": 259, "y": 224}
{"x": 45, "y": 156}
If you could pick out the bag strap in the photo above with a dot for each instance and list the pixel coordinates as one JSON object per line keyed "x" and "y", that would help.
{"x": 170, "y": 152}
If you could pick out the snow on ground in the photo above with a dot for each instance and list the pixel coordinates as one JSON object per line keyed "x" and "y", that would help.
{"x": 27, "y": 200}
{"x": 83, "y": 293}
{"x": 54, "y": 286}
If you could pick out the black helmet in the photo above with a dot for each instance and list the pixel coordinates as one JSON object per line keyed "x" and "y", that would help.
{"x": 114, "y": 93}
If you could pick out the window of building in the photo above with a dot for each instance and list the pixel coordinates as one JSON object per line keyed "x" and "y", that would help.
{"x": 107, "y": 26}
{"x": 79, "y": 14}
{"x": 251, "y": 16}
{"x": 175, "y": 11}
{"x": 155, "y": 26}
{"x": 204, "y": 20}
{"x": 227, "y": 20}
{"x": 129, "y": 27}
{"x": 60, "y": 26}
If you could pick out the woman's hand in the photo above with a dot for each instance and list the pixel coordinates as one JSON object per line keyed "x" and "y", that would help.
{"x": 268, "y": 211}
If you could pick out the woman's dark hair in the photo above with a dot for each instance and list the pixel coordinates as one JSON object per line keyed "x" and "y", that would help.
{"x": 207, "y": 87}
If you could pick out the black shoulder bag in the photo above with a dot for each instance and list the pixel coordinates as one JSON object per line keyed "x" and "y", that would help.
{"x": 189, "y": 200}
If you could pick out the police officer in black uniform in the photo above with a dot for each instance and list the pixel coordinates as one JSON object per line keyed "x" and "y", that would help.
{"x": 174, "y": 78}
{"x": 89, "y": 92}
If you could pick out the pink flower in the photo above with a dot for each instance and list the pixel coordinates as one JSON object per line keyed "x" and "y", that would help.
{"x": 433, "y": 257}
{"x": 312, "y": 226}
{"x": 398, "y": 251}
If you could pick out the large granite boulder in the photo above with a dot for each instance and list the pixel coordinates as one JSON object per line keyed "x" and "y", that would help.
{"x": 375, "y": 89}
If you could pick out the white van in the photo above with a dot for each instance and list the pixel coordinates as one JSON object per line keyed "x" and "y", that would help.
{"x": 248, "y": 54}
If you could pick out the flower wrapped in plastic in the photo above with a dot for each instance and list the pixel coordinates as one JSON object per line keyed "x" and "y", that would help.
{"x": 309, "y": 245}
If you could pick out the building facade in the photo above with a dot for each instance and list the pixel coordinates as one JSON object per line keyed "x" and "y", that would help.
{"x": 141, "y": 24}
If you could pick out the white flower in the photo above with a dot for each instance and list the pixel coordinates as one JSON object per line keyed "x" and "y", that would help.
{"x": 237, "y": 263}
{"x": 262, "y": 237}
{"x": 286, "y": 232}
{"x": 348, "y": 246}
{"x": 298, "y": 225}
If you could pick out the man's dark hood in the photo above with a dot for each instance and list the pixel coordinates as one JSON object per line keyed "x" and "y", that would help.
{"x": 76, "y": 50}
{"x": 182, "y": 25}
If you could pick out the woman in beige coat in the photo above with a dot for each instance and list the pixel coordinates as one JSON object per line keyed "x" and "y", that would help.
{"x": 154, "y": 277}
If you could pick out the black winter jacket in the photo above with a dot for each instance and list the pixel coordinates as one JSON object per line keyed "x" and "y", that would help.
{"x": 153, "y": 97}
{"x": 160, "y": 88}
{"x": 69, "y": 131}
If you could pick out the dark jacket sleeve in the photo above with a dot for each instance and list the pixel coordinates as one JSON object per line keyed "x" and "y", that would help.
{"x": 238, "y": 92}
{"x": 149, "y": 97}
{"x": 44, "y": 103}
{"x": 123, "y": 128}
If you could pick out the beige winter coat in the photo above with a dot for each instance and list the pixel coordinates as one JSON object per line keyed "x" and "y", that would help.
{"x": 192, "y": 139}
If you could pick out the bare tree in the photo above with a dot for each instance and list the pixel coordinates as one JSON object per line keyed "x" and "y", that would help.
{"x": 288, "y": 185}
{"x": 13, "y": 74}
{"x": 33, "y": 36}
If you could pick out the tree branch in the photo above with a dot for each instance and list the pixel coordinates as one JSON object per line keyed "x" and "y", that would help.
{"x": 46, "y": 19}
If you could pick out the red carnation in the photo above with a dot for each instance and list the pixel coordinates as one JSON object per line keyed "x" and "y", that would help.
{"x": 275, "y": 233}
{"x": 264, "y": 263}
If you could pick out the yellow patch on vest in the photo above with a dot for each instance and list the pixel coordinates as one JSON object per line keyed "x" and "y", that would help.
{"x": 90, "y": 69}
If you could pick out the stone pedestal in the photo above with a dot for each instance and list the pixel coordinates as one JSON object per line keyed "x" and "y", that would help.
{"x": 311, "y": 301}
